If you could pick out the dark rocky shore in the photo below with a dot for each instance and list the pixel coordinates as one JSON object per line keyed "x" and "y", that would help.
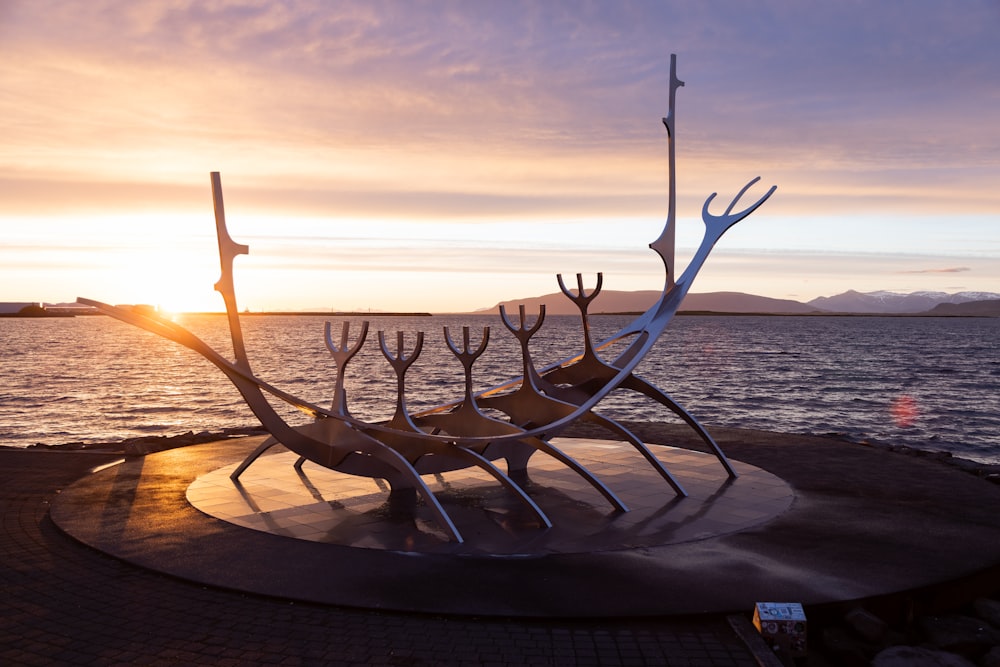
{"x": 150, "y": 444}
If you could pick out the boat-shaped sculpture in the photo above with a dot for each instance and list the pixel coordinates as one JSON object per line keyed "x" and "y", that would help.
{"x": 537, "y": 406}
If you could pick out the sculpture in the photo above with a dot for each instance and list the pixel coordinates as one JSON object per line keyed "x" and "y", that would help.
{"x": 538, "y": 405}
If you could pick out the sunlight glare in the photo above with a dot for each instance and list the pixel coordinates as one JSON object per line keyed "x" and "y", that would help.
{"x": 172, "y": 268}
{"x": 904, "y": 411}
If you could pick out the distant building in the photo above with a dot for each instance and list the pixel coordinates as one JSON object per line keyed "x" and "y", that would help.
{"x": 70, "y": 309}
{"x": 37, "y": 309}
{"x": 14, "y": 307}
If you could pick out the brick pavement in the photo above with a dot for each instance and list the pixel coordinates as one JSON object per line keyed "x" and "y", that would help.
{"x": 65, "y": 604}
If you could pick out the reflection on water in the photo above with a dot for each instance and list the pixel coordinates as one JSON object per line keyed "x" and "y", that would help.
{"x": 926, "y": 382}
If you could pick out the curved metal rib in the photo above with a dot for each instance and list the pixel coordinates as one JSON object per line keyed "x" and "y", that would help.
{"x": 638, "y": 384}
{"x": 469, "y": 419}
{"x": 415, "y": 450}
{"x": 640, "y": 446}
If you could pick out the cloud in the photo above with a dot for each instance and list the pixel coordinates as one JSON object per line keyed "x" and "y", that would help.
{"x": 875, "y": 125}
{"x": 152, "y": 89}
{"x": 955, "y": 269}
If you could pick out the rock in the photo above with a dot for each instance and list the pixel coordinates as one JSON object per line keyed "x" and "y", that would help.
{"x": 138, "y": 449}
{"x": 158, "y": 443}
{"x": 866, "y": 624}
{"x": 961, "y": 634}
{"x": 935, "y": 455}
{"x": 845, "y": 648}
{"x": 991, "y": 659}
{"x": 988, "y": 610}
{"x": 965, "y": 464}
{"x": 915, "y": 656}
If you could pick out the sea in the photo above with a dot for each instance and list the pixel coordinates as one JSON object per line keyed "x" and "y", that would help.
{"x": 925, "y": 382}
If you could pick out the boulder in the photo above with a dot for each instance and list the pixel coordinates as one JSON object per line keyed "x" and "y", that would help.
{"x": 969, "y": 636}
{"x": 847, "y": 649}
{"x": 916, "y": 656}
{"x": 867, "y": 625}
{"x": 991, "y": 659}
{"x": 988, "y": 610}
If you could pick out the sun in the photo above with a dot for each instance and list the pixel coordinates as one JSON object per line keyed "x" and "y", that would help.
{"x": 173, "y": 292}
{"x": 169, "y": 271}
{"x": 170, "y": 292}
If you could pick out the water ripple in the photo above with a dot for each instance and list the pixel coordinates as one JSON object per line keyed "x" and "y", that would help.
{"x": 925, "y": 382}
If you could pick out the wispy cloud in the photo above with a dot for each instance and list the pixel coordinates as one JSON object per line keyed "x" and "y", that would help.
{"x": 956, "y": 269}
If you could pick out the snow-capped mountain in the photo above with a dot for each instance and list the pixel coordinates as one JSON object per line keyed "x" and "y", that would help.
{"x": 894, "y": 302}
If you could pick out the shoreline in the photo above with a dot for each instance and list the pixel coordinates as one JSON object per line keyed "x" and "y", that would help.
{"x": 146, "y": 444}
{"x": 651, "y": 432}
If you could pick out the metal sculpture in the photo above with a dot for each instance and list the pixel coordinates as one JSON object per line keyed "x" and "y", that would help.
{"x": 538, "y": 405}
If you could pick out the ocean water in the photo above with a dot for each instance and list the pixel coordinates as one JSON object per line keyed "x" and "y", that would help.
{"x": 931, "y": 383}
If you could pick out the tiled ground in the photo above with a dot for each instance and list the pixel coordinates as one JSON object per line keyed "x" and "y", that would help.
{"x": 321, "y": 505}
{"x": 65, "y": 604}
{"x": 863, "y": 522}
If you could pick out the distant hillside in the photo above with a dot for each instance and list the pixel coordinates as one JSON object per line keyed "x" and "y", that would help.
{"x": 738, "y": 302}
{"x": 894, "y": 302}
{"x": 633, "y": 302}
{"x": 987, "y": 308}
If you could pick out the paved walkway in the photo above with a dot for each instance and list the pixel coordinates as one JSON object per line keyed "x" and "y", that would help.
{"x": 65, "y": 604}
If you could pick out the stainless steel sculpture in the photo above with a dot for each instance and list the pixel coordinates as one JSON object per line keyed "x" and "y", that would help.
{"x": 538, "y": 405}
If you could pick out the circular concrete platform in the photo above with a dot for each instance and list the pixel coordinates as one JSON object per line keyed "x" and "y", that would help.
{"x": 844, "y": 523}
{"x": 322, "y": 505}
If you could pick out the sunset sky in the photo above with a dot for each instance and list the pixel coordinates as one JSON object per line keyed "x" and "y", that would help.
{"x": 444, "y": 156}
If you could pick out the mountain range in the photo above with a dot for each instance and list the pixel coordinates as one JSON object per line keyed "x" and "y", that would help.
{"x": 871, "y": 303}
{"x": 894, "y": 302}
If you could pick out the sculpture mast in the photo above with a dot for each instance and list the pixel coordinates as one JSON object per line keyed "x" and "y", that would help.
{"x": 664, "y": 245}
{"x": 228, "y": 250}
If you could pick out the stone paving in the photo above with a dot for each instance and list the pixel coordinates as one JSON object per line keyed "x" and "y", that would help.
{"x": 62, "y": 603}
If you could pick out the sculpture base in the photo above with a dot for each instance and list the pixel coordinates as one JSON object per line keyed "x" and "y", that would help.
{"x": 321, "y": 505}
{"x": 893, "y": 524}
